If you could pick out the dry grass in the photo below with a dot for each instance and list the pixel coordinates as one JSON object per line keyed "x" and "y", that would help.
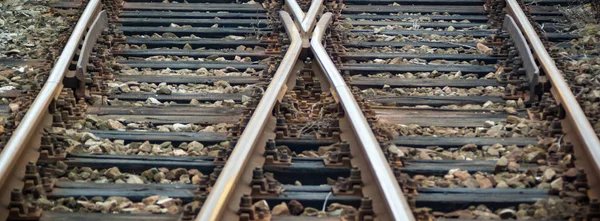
{"x": 596, "y": 9}
{"x": 584, "y": 10}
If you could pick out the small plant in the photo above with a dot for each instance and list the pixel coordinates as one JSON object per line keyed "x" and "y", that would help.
{"x": 594, "y": 6}
{"x": 583, "y": 11}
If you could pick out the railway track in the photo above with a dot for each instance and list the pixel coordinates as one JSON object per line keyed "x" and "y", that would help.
{"x": 455, "y": 90}
{"x": 131, "y": 101}
{"x": 381, "y": 110}
{"x": 26, "y": 56}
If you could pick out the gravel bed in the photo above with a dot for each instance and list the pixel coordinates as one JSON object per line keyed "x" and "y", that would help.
{"x": 412, "y": 14}
{"x": 88, "y": 143}
{"x": 510, "y": 106}
{"x": 192, "y": 36}
{"x": 114, "y": 205}
{"x": 552, "y": 209}
{"x": 197, "y": 72}
{"x": 185, "y": 58}
{"x": 526, "y": 154}
{"x": 411, "y": 38}
{"x": 321, "y": 152}
{"x": 457, "y": 178}
{"x": 507, "y": 171}
{"x": 166, "y": 89}
{"x": 437, "y": 91}
{"x": 28, "y": 31}
{"x": 405, "y": 61}
{"x": 513, "y": 126}
{"x": 430, "y": 75}
{"x": 189, "y": 47}
{"x": 415, "y": 26}
{"x": 580, "y": 63}
{"x": 114, "y": 175}
{"x": 414, "y": 19}
{"x": 153, "y": 102}
{"x": 118, "y": 124}
{"x": 295, "y": 208}
{"x": 412, "y": 49}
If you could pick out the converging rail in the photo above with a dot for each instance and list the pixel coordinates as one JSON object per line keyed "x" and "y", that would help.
{"x": 584, "y": 138}
{"x": 332, "y": 97}
{"x": 307, "y": 21}
{"x": 384, "y": 177}
{"x": 389, "y": 188}
{"x": 219, "y": 197}
{"x": 20, "y": 148}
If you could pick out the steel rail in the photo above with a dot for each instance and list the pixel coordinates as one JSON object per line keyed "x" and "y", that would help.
{"x": 27, "y": 127}
{"x": 561, "y": 90}
{"x": 296, "y": 11}
{"x": 532, "y": 71}
{"x": 388, "y": 185}
{"x": 305, "y": 20}
{"x": 218, "y": 199}
{"x": 310, "y": 19}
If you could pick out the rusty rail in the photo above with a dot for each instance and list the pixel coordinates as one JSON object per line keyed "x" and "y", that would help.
{"x": 584, "y": 136}
{"x": 531, "y": 69}
{"x": 218, "y": 199}
{"x": 398, "y": 207}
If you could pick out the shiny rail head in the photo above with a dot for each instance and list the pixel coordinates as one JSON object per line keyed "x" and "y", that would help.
{"x": 31, "y": 121}
{"x": 92, "y": 36}
{"x": 290, "y": 29}
{"x": 296, "y": 11}
{"x": 321, "y": 27}
{"x": 583, "y": 131}
{"x": 397, "y": 206}
{"x": 305, "y": 21}
{"x": 217, "y": 201}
